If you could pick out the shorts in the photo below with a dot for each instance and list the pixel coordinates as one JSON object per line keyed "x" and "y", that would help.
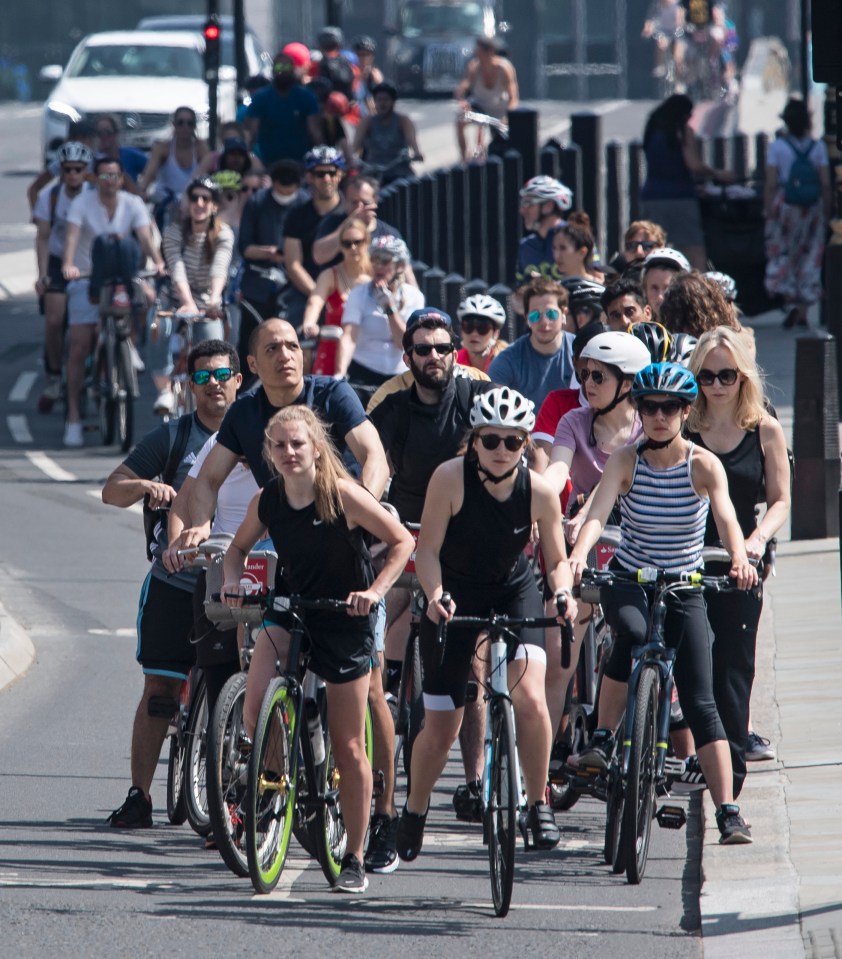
{"x": 79, "y": 309}
{"x": 336, "y": 656}
{"x": 681, "y": 220}
{"x": 165, "y": 629}
{"x": 57, "y": 282}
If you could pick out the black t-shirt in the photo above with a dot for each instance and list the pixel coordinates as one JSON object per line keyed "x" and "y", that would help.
{"x": 419, "y": 437}
{"x": 262, "y": 224}
{"x": 242, "y": 430}
{"x": 302, "y": 224}
{"x": 335, "y": 219}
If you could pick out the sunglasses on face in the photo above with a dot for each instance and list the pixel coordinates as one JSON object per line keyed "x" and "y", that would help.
{"x": 534, "y": 316}
{"x": 73, "y": 169}
{"x": 651, "y": 408}
{"x": 200, "y": 198}
{"x": 109, "y": 177}
{"x": 646, "y": 245}
{"x": 425, "y": 349}
{"x": 727, "y": 377}
{"x": 324, "y": 174}
{"x": 185, "y": 123}
{"x": 350, "y": 244}
{"x": 491, "y": 441}
{"x": 597, "y": 377}
{"x": 202, "y": 377}
{"x": 483, "y": 327}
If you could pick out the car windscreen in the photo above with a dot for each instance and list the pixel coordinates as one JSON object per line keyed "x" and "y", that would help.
{"x": 432, "y": 19}
{"x": 136, "y": 60}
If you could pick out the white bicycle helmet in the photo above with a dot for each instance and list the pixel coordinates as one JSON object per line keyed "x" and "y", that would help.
{"x": 681, "y": 348}
{"x": 485, "y": 306}
{"x": 668, "y": 257}
{"x": 74, "y": 152}
{"x": 388, "y": 245}
{"x": 505, "y": 408}
{"x": 544, "y": 189}
{"x": 324, "y": 156}
{"x": 625, "y": 352}
{"x": 726, "y": 283}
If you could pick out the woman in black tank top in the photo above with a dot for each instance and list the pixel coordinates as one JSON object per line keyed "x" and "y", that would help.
{"x": 478, "y": 517}
{"x": 730, "y": 419}
{"x": 316, "y": 515}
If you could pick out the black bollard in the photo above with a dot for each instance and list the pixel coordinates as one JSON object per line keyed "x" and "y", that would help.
{"x": 478, "y": 216}
{"x": 586, "y": 130}
{"x": 721, "y": 151}
{"x": 502, "y": 294}
{"x": 473, "y": 287}
{"x": 496, "y": 260}
{"x": 550, "y": 160}
{"x": 445, "y": 235}
{"x": 832, "y": 303}
{"x": 459, "y": 222}
{"x": 386, "y": 204}
{"x": 616, "y": 191}
{"x": 416, "y": 214}
{"x": 740, "y": 157}
{"x": 571, "y": 172}
{"x": 523, "y": 137}
{"x": 451, "y": 287}
{"x": 512, "y": 182}
{"x": 428, "y": 246}
{"x": 761, "y": 146}
{"x": 431, "y": 286}
{"x": 815, "y": 438}
{"x": 637, "y": 174}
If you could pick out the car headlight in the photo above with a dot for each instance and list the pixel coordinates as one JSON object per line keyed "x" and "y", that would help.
{"x": 404, "y": 56}
{"x": 59, "y": 112}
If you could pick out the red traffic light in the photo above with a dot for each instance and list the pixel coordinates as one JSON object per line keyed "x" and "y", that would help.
{"x": 212, "y": 31}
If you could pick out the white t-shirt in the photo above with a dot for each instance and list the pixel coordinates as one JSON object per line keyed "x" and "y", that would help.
{"x": 43, "y": 210}
{"x": 88, "y": 213}
{"x": 782, "y": 156}
{"x": 375, "y": 349}
{"x": 235, "y": 494}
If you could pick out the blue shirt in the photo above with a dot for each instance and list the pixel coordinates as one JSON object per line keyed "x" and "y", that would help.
{"x": 133, "y": 161}
{"x": 524, "y": 369}
{"x": 535, "y": 256}
{"x": 283, "y": 133}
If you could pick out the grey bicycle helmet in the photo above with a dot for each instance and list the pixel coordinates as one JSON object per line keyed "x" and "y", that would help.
{"x": 484, "y": 306}
{"x": 74, "y": 152}
{"x": 503, "y": 407}
{"x": 205, "y": 183}
{"x": 545, "y": 189}
{"x": 324, "y": 156}
{"x": 388, "y": 245}
{"x": 726, "y": 283}
{"x": 665, "y": 378}
{"x": 681, "y": 348}
{"x": 624, "y": 352}
{"x": 654, "y": 337}
{"x": 669, "y": 258}
{"x": 330, "y": 37}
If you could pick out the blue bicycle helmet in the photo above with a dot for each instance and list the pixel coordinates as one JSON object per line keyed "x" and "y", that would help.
{"x": 665, "y": 378}
{"x": 324, "y": 156}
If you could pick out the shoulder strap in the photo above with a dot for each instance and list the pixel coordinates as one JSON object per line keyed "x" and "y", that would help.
{"x": 801, "y": 153}
{"x": 177, "y": 449}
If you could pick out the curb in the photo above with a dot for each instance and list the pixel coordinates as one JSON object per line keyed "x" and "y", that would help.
{"x": 16, "y": 650}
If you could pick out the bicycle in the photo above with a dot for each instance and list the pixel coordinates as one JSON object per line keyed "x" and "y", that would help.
{"x": 386, "y": 173}
{"x": 185, "y": 773}
{"x": 503, "y": 799}
{"x": 181, "y": 343}
{"x": 637, "y": 771}
{"x": 499, "y": 139}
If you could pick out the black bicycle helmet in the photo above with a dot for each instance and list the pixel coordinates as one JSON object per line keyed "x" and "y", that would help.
{"x": 385, "y": 87}
{"x": 654, "y": 337}
{"x": 667, "y": 379}
{"x": 583, "y": 292}
{"x": 365, "y": 43}
{"x": 206, "y": 183}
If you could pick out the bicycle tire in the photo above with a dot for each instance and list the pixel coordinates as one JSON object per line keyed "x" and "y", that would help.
{"x": 107, "y": 388}
{"x": 410, "y": 701}
{"x": 564, "y": 796}
{"x": 502, "y": 810}
{"x": 124, "y": 399}
{"x": 227, "y": 772}
{"x": 271, "y": 787}
{"x": 176, "y": 799}
{"x": 195, "y": 763}
{"x": 614, "y": 851}
{"x": 640, "y": 781}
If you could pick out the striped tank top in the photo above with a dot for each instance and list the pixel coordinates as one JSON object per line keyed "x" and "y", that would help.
{"x": 662, "y": 519}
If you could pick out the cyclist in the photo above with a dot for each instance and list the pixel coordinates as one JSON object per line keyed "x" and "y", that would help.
{"x": 489, "y": 86}
{"x": 370, "y": 75}
{"x": 317, "y": 515}
{"x": 573, "y": 248}
{"x": 481, "y": 319}
{"x": 584, "y": 303}
{"x": 50, "y": 217}
{"x": 660, "y": 267}
{"x": 165, "y": 620}
{"x": 543, "y": 203}
{"x": 666, "y": 485}
{"x": 387, "y": 140}
{"x": 477, "y": 519}
{"x": 666, "y": 27}
{"x": 624, "y": 305}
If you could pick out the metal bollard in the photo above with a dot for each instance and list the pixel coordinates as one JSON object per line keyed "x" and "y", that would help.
{"x": 444, "y": 233}
{"x": 452, "y": 286}
{"x": 428, "y": 246}
{"x": 496, "y": 260}
{"x": 512, "y": 182}
{"x": 461, "y": 228}
{"x": 502, "y": 294}
{"x": 615, "y": 197}
{"x": 637, "y": 174}
{"x": 571, "y": 171}
{"x": 586, "y": 130}
{"x": 550, "y": 160}
{"x": 523, "y": 137}
{"x": 832, "y": 303}
{"x": 431, "y": 287}
{"x": 478, "y": 216}
{"x": 815, "y": 438}
{"x": 416, "y": 214}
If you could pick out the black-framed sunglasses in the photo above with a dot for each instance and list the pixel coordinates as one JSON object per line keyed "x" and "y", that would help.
{"x": 727, "y": 377}
{"x": 491, "y": 441}
{"x": 476, "y": 325}
{"x": 200, "y": 197}
{"x": 650, "y": 408}
{"x": 425, "y": 349}
{"x": 323, "y": 174}
{"x": 646, "y": 245}
{"x": 350, "y": 244}
{"x": 221, "y": 375}
{"x": 73, "y": 169}
{"x": 597, "y": 376}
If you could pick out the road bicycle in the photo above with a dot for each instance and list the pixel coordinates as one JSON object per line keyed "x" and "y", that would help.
{"x": 386, "y": 173}
{"x": 503, "y": 797}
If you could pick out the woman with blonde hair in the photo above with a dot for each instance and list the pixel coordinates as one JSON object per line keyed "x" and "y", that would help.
{"x": 730, "y": 418}
{"x": 317, "y": 515}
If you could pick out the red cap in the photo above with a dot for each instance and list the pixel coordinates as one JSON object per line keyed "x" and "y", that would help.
{"x": 337, "y": 103}
{"x": 299, "y": 53}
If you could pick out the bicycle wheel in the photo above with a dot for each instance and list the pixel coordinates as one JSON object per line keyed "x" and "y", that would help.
{"x": 176, "y": 799}
{"x": 124, "y": 397}
{"x": 227, "y": 772}
{"x": 562, "y": 795}
{"x": 410, "y": 701}
{"x": 327, "y": 826}
{"x": 640, "y": 782}
{"x": 271, "y": 787}
{"x": 501, "y": 813}
{"x": 195, "y": 763}
{"x": 106, "y": 373}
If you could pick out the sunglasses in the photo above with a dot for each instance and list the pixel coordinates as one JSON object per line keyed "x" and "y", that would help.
{"x": 727, "y": 377}
{"x": 324, "y": 174}
{"x": 109, "y": 176}
{"x": 425, "y": 349}
{"x": 185, "y": 123}
{"x": 597, "y": 377}
{"x": 202, "y": 377}
{"x": 534, "y": 316}
{"x": 483, "y": 327}
{"x": 646, "y": 245}
{"x": 200, "y": 198}
{"x": 230, "y": 197}
{"x": 651, "y": 408}
{"x": 350, "y": 244}
{"x": 491, "y": 441}
{"x": 73, "y": 169}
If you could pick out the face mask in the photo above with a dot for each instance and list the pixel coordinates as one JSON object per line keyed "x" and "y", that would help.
{"x": 284, "y": 81}
{"x": 282, "y": 199}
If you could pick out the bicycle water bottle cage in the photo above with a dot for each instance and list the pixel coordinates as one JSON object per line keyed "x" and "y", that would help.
{"x": 162, "y": 707}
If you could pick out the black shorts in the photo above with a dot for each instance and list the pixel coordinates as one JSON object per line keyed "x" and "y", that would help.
{"x": 213, "y": 646}
{"x": 449, "y": 678}
{"x": 57, "y": 282}
{"x": 335, "y": 655}
{"x": 165, "y": 629}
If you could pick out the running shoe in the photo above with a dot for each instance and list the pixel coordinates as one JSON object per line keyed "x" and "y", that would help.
{"x": 733, "y": 830}
{"x": 540, "y": 821}
{"x": 165, "y": 403}
{"x": 410, "y": 834}
{"x": 51, "y": 394}
{"x": 352, "y": 876}
{"x": 135, "y": 813}
{"x": 73, "y": 435}
{"x": 467, "y": 802}
{"x": 597, "y": 754}
{"x": 758, "y": 748}
{"x": 381, "y": 855}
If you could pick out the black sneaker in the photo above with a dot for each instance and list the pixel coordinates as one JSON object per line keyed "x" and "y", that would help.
{"x": 352, "y": 876}
{"x": 557, "y": 771}
{"x": 758, "y": 748}
{"x": 692, "y": 775}
{"x": 410, "y": 834}
{"x": 135, "y": 813}
{"x": 381, "y": 855}
{"x": 467, "y": 802}
{"x": 541, "y": 823}
{"x": 597, "y": 754}
{"x": 732, "y": 827}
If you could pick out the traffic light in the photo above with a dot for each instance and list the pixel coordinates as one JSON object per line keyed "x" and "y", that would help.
{"x": 213, "y": 34}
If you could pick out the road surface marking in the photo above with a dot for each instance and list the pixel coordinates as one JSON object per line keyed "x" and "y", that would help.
{"x": 134, "y": 508}
{"x": 558, "y": 907}
{"x": 19, "y": 428}
{"x": 292, "y": 870}
{"x": 24, "y": 383}
{"x": 120, "y": 631}
{"x": 86, "y": 883}
{"x": 50, "y": 467}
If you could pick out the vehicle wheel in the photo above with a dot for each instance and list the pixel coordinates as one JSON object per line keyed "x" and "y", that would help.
{"x": 106, "y": 374}
{"x": 502, "y": 811}
{"x": 410, "y": 701}
{"x": 271, "y": 787}
{"x": 124, "y": 399}
{"x": 227, "y": 773}
{"x": 640, "y": 782}
{"x": 195, "y": 763}
{"x": 176, "y": 800}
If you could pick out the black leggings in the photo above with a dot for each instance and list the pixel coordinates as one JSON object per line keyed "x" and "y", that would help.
{"x": 627, "y": 612}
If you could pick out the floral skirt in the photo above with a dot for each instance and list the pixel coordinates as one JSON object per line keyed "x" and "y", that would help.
{"x": 795, "y": 238}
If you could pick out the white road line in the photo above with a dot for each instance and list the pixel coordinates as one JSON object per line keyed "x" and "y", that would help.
{"x": 292, "y": 871}
{"x": 19, "y": 428}
{"x": 25, "y": 883}
{"x": 558, "y": 907}
{"x": 134, "y": 508}
{"x": 50, "y": 467}
{"x": 24, "y": 383}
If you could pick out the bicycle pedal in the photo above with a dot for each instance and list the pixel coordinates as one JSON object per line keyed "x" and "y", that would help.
{"x": 671, "y": 817}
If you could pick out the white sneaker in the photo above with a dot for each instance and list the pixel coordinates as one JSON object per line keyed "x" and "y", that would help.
{"x": 165, "y": 404}
{"x": 137, "y": 363}
{"x": 50, "y": 395}
{"x": 73, "y": 435}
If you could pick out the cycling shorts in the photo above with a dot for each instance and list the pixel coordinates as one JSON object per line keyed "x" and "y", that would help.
{"x": 56, "y": 281}
{"x": 165, "y": 629}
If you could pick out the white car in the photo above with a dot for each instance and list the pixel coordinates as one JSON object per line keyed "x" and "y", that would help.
{"x": 141, "y": 77}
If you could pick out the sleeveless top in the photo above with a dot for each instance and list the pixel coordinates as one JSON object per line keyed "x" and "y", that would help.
{"x": 492, "y": 100}
{"x": 324, "y": 363}
{"x": 662, "y": 519}
{"x": 484, "y": 542}
{"x": 745, "y": 469}
{"x": 173, "y": 177}
{"x": 316, "y": 559}
{"x": 667, "y": 175}
{"x": 384, "y": 141}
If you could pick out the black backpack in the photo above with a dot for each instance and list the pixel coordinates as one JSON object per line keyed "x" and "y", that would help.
{"x": 339, "y": 71}
{"x": 151, "y": 517}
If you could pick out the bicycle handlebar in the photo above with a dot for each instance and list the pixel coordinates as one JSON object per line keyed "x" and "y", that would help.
{"x": 650, "y": 577}
{"x": 285, "y": 603}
